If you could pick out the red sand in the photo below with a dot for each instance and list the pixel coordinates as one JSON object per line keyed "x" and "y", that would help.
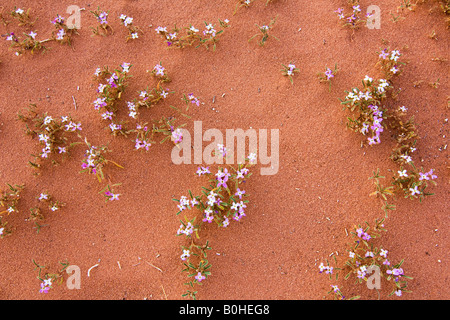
{"x": 295, "y": 219}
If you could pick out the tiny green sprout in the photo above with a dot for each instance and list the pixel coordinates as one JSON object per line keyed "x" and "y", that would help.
{"x": 264, "y": 32}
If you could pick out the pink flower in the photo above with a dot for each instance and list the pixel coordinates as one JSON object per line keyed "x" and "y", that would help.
{"x": 200, "y": 277}
{"x": 44, "y": 288}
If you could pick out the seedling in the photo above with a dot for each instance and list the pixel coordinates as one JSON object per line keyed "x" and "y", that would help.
{"x": 105, "y": 27}
{"x": 264, "y": 32}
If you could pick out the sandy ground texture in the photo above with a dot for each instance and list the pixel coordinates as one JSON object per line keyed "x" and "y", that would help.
{"x": 295, "y": 219}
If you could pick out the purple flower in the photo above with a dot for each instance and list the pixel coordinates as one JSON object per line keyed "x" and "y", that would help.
{"x": 384, "y": 54}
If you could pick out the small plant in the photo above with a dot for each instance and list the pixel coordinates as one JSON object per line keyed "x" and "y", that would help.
{"x": 221, "y": 201}
{"x": 95, "y": 161}
{"x": 28, "y": 43}
{"x": 111, "y": 86}
{"x": 45, "y": 200}
{"x": 242, "y": 3}
{"x": 364, "y": 258}
{"x": 389, "y": 63}
{"x": 264, "y": 32}
{"x": 10, "y": 198}
{"x": 109, "y": 193}
{"x": 23, "y": 17}
{"x": 104, "y": 26}
{"x": 52, "y": 133}
{"x": 133, "y": 31}
{"x": 353, "y": 19}
{"x": 48, "y": 279}
{"x": 191, "y": 36}
{"x": 289, "y": 71}
{"x": 328, "y": 75}
{"x": 62, "y": 33}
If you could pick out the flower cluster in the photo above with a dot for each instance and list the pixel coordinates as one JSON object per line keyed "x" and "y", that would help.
{"x": 413, "y": 182}
{"x": 111, "y": 86}
{"x": 220, "y": 202}
{"x": 62, "y": 33}
{"x": 352, "y": 19}
{"x": 364, "y": 258}
{"x": 133, "y": 31}
{"x": 22, "y": 16}
{"x": 52, "y": 133}
{"x": 190, "y": 36}
{"x": 389, "y": 62}
{"x": 289, "y": 71}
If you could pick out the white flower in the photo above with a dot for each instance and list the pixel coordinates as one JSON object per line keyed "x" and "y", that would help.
{"x": 368, "y": 79}
{"x": 128, "y": 20}
{"x": 134, "y": 35}
{"x": 122, "y": 17}
{"x": 47, "y": 282}
{"x": 132, "y": 114}
{"x": 43, "y": 196}
{"x": 60, "y": 35}
{"x": 394, "y": 70}
{"x": 403, "y": 109}
{"x": 64, "y": 118}
{"x": 54, "y": 208}
{"x": 192, "y": 28}
{"x": 164, "y": 94}
{"x": 19, "y": 11}
{"x": 10, "y": 209}
{"x": 252, "y": 157}
{"x": 48, "y": 119}
{"x": 97, "y": 72}
{"x": 402, "y": 173}
{"x": 161, "y": 30}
